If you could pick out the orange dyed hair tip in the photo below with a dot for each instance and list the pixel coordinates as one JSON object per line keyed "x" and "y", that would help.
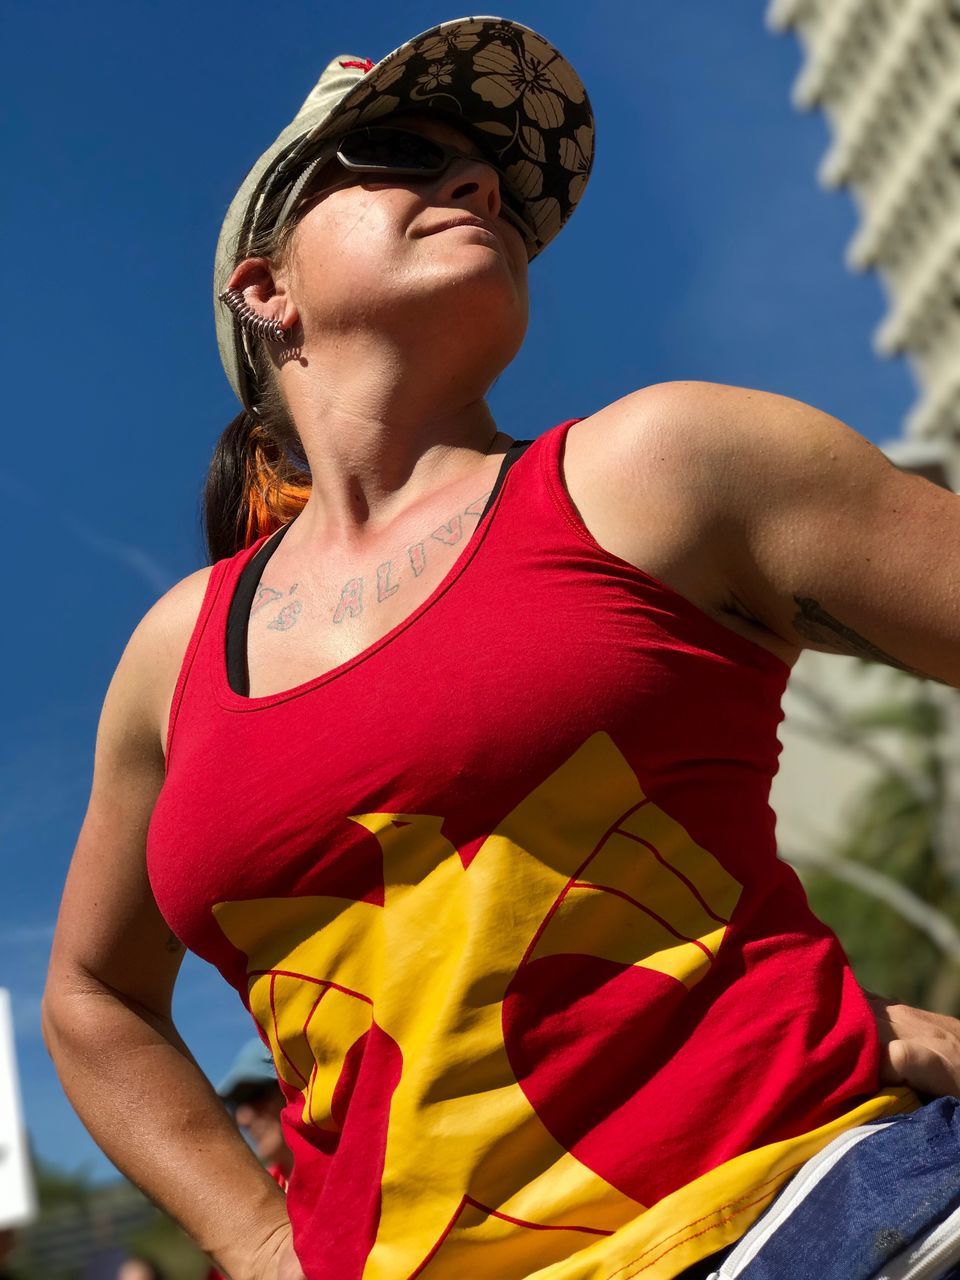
{"x": 270, "y": 499}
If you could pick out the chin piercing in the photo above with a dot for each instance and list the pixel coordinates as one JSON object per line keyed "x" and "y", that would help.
{"x": 258, "y": 326}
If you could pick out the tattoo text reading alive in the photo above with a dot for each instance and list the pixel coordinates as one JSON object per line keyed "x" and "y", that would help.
{"x": 387, "y": 579}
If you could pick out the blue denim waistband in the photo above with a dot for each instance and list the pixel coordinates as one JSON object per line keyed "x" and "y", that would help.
{"x": 880, "y": 1202}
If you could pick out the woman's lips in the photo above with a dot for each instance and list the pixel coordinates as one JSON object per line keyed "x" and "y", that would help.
{"x": 463, "y": 222}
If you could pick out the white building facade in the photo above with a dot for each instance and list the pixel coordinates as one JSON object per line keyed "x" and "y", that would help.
{"x": 887, "y": 74}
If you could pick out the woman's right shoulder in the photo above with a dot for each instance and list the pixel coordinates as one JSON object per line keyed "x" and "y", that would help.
{"x": 178, "y": 609}
{"x": 155, "y": 652}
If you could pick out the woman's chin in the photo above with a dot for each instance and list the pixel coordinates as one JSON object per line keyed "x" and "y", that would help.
{"x": 478, "y": 274}
{"x": 468, "y": 250}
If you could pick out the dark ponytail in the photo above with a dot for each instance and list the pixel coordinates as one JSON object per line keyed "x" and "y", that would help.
{"x": 255, "y": 484}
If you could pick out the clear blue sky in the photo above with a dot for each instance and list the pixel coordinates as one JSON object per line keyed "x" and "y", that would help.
{"x": 703, "y": 249}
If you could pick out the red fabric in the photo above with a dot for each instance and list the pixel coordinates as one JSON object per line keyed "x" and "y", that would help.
{"x": 536, "y": 641}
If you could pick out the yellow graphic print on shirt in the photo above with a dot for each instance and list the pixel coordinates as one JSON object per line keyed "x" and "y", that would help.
{"x": 585, "y": 865}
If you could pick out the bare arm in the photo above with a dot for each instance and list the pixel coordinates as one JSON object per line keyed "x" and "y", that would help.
{"x": 107, "y": 1006}
{"x": 802, "y": 525}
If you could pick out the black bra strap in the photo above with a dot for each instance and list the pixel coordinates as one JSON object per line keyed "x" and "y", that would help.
{"x": 516, "y": 450}
{"x": 238, "y": 615}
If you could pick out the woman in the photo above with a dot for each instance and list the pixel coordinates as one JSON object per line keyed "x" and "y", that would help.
{"x": 456, "y": 761}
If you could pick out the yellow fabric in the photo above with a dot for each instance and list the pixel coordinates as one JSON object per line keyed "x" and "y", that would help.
{"x": 472, "y": 1178}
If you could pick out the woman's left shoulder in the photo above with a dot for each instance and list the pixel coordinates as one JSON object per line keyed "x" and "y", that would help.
{"x": 685, "y": 424}
{"x": 640, "y": 474}
{"x": 691, "y": 401}
{"x": 654, "y": 423}
{"x": 690, "y": 453}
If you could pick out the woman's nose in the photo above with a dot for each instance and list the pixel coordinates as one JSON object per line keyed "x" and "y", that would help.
{"x": 474, "y": 184}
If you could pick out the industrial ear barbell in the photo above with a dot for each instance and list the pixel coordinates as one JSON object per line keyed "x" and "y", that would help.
{"x": 259, "y": 326}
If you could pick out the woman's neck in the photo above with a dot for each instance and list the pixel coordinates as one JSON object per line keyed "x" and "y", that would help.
{"x": 378, "y": 439}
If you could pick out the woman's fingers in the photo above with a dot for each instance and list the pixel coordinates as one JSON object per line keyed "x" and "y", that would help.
{"x": 921, "y": 1067}
{"x": 919, "y": 1048}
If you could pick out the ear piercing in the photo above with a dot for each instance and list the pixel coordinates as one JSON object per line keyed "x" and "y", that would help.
{"x": 259, "y": 326}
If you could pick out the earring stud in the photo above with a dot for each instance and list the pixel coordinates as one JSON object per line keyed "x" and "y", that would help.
{"x": 258, "y": 326}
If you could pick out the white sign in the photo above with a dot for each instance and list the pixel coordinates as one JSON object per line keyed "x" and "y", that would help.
{"x": 17, "y": 1198}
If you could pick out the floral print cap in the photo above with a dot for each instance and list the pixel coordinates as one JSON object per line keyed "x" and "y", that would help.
{"x": 514, "y": 92}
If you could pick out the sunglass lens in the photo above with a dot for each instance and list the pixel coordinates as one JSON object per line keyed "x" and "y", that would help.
{"x": 392, "y": 149}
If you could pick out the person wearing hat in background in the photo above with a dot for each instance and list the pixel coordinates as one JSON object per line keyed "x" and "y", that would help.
{"x": 255, "y": 1100}
{"x": 455, "y": 761}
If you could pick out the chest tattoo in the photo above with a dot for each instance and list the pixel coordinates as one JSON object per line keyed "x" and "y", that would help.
{"x": 284, "y": 609}
{"x": 286, "y": 615}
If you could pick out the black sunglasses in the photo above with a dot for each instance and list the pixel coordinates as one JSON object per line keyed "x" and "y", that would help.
{"x": 396, "y": 153}
{"x": 251, "y": 1092}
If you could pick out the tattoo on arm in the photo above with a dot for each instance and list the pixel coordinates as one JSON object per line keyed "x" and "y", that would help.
{"x": 823, "y": 629}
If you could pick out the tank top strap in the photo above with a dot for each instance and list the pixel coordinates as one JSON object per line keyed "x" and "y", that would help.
{"x": 534, "y": 506}
{"x": 551, "y": 471}
{"x": 238, "y": 604}
{"x": 219, "y": 572}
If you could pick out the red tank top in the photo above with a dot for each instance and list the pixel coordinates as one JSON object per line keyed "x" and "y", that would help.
{"x": 502, "y": 896}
